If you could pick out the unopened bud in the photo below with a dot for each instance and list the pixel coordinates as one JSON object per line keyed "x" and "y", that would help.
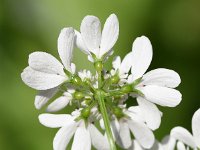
{"x": 85, "y": 112}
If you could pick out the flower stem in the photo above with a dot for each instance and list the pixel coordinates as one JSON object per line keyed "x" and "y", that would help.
{"x": 101, "y": 102}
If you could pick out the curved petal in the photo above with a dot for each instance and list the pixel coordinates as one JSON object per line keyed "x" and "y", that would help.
{"x": 142, "y": 56}
{"x": 180, "y": 146}
{"x": 156, "y": 146}
{"x": 65, "y": 46}
{"x": 110, "y": 34}
{"x": 183, "y": 135}
{"x": 150, "y": 112}
{"x": 58, "y": 104}
{"x": 98, "y": 140}
{"x": 63, "y": 137}
{"x": 196, "y": 127}
{"x": 141, "y": 133}
{"x": 116, "y": 62}
{"x": 135, "y": 146}
{"x": 43, "y": 97}
{"x": 80, "y": 44}
{"x": 40, "y": 80}
{"x": 126, "y": 63}
{"x": 91, "y": 33}
{"x": 162, "y": 95}
{"x": 44, "y": 62}
{"x": 55, "y": 121}
{"x": 162, "y": 77}
{"x": 124, "y": 139}
{"x": 115, "y": 128}
{"x": 82, "y": 140}
{"x": 168, "y": 143}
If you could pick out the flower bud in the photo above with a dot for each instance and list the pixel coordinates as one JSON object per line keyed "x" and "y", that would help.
{"x": 127, "y": 89}
{"x": 78, "y": 95}
{"x": 118, "y": 112}
{"x": 85, "y": 112}
{"x": 114, "y": 79}
{"x": 98, "y": 65}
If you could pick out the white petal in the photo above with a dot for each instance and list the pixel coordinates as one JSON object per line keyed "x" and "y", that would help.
{"x": 180, "y": 146}
{"x": 162, "y": 77}
{"x": 115, "y": 128}
{"x": 142, "y": 56}
{"x": 82, "y": 140}
{"x": 58, "y": 104}
{"x": 150, "y": 113}
{"x": 196, "y": 127}
{"x": 41, "y": 81}
{"x": 168, "y": 143}
{"x": 55, "y": 121}
{"x": 65, "y": 46}
{"x": 98, "y": 140}
{"x": 126, "y": 63}
{"x": 135, "y": 146}
{"x": 44, "y": 62}
{"x": 183, "y": 135}
{"x": 80, "y": 44}
{"x": 116, "y": 62}
{"x": 162, "y": 95}
{"x": 43, "y": 97}
{"x": 156, "y": 146}
{"x": 91, "y": 33}
{"x": 124, "y": 139}
{"x": 63, "y": 136}
{"x": 141, "y": 133}
{"x": 109, "y": 34}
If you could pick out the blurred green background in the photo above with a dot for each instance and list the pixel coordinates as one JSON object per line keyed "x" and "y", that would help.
{"x": 26, "y": 26}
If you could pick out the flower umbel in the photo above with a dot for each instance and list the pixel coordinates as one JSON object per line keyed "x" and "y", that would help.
{"x": 100, "y": 99}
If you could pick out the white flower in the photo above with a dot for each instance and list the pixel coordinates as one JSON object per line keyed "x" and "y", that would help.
{"x": 121, "y": 129}
{"x": 85, "y": 74}
{"x": 45, "y": 73}
{"x": 184, "y": 136}
{"x": 84, "y": 136}
{"x": 156, "y": 85}
{"x": 92, "y": 41}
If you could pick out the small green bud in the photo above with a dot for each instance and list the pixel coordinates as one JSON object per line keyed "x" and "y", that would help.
{"x": 98, "y": 65}
{"x": 78, "y": 95}
{"x": 118, "y": 112}
{"x": 85, "y": 112}
{"x": 127, "y": 88}
{"x": 114, "y": 79}
{"x": 76, "y": 80}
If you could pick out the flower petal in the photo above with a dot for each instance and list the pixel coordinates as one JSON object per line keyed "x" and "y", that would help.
{"x": 150, "y": 112}
{"x": 91, "y": 33}
{"x": 40, "y": 80}
{"x": 162, "y": 77}
{"x": 116, "y": 62}
{"x": 58, "y": 104}
{"x": 156, "y": 146}
{"x": 65, "y": 46}
{"x": 196, "y": 127}
{"x": 135, "y": 146}
{"x": 55, "y": 121}
{"x": 180, "y": 146}
{"x": 82, "y": 139}
{"x": 80, "y": 44}
{"x": 141, "y": 133}
{"x": 168, "y": 143}
{"x": 109, "y": 34}
{"x": 46, "y": 63}
{"x": 43, "y": 97}
{"x": 63, "y": 137}
{"x": 98, "y": 140}
{"x": 142, "y": 56}
{"x": 162, "y": 95}
{"x": 124, "y": 139}
{"x": 126, "y": 63}
{"x": 183, "y": 135}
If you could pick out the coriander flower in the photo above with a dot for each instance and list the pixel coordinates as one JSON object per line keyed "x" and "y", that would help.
{"x": 45, "y": 73}
{"x": 184, "y": 136}
{"x": 91, "y": 41}
{"x": 85, "y": 134}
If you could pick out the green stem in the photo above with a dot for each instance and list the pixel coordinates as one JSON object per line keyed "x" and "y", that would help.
{"x": 100, "y": 98}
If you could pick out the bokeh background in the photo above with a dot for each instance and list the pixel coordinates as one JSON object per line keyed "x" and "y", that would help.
{"x": 26, "y": 26}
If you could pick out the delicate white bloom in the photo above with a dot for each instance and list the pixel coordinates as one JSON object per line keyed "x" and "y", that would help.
{"x": 45, "y": 73}
{"x": 156, "y": 85}
{"x": 92, "y": 41}
{"x": 84, "y": 136}
{"x": 85, "y": 75}
{"x": 183, "y": 135}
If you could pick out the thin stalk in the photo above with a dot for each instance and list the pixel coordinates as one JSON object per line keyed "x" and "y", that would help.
{"x": 100, "y": 98}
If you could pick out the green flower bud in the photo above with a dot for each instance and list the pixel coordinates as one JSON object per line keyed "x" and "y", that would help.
{"x": 114, "y": 79}
{"x": 98, "y": 65}
{"x": 85, "y": 112}
{"x": 127, "y": 89}
{"x": 76, "y": 80}
{"x": 78, "y": 95}
{"x": 118, "y": 112}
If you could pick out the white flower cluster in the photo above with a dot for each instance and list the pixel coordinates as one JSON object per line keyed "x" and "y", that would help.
{"x": 102, "y": 119}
